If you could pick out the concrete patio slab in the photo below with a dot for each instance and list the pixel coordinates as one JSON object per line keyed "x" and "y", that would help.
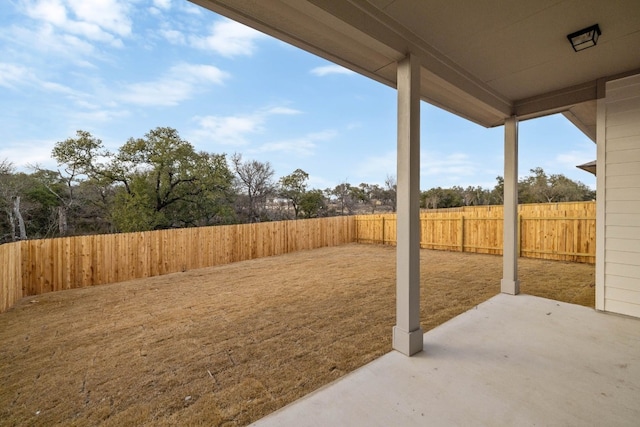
{"x": 513, "y": 360}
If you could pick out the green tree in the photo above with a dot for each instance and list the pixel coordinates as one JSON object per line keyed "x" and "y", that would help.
{"x": 81, "y": 155}
{"x": 158, "y": 181}
{"x": 538, "y": 187}
{"x": 86, "y": 191}
{"x": 497, "y": 194}
{"x": 133, "y": 207}
{"x": 441, "y": 198}
{"x": 475, "y": 196}
{"x": 293, "y": 187}
{"x": 168, "y": 179}
{"x": 214, "y": 204}
{"x": 361, "y": 195}
{"x": 312, "y": 204}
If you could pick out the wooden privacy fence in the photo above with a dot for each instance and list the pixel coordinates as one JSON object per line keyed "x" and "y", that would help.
{"x": 34, "y": 267}
{"x": 557, "y": 231}
{"x": 560, "y": 231}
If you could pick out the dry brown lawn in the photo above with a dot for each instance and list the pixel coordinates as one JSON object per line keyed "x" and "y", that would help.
{"x": 227, "y": 345}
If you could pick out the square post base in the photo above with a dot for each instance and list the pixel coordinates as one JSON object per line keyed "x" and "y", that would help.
{"x": 511, "y": 287}
{"x": 407, "y": 343}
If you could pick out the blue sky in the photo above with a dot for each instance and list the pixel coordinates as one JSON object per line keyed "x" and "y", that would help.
{"x": 119, "y": 68}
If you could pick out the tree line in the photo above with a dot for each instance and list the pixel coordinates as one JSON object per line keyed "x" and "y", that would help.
{"x": 160, "y": 181}
{"x": 537, "y": 187}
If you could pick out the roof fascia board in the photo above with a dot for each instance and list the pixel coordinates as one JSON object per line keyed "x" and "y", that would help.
{"x": 556, "y": 101}
{"x": 563, "y": 99}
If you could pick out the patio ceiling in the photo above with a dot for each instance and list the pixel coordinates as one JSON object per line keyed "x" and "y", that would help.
{"x": 484, "y": 61}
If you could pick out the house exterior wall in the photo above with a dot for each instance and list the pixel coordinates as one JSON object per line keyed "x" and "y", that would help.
{"x": 618, "y": 264}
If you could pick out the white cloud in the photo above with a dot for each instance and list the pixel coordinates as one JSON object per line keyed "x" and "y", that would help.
{"x": 234, "y": 130}
{"x": 452, "y": 168}
{"x": 58, "y": 88}
{"x": 162, "y": 4}
{"x": 191, "y": 8}
{"x": 12, "y": 75}
{"x": 285, "y": 111}
{"x": 98, "y": 20}
{"x": 574, "y": 158}
{"x": 228, "y": 38}
{"x": 159, "y": 6}
{"x": 52, "y": 11}
{"x": 303, "y": 146}
{"x": 455, "y": 169}
{"x": 99, "y": 115}
{"x": 377, "y": 167}
{"x": 30, "y": 152}
{"x": 110, "y": 15}
{"x": 18, "y": 77}
{"x": 181, "y": 82}
{"x": 330, "y": 69}
{"x": 228, "y": 130}
{"x": 453, "y": 165}
{"x": 200, "y": 72}
{"x": 173, "y": 36}
{"x": 47, "y": 41}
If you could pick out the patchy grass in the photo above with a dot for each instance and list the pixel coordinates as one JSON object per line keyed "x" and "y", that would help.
{"x": 227, "y": 345}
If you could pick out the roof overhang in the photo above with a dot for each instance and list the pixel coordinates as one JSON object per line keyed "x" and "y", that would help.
{"x": 590, "y": 167}
{"x": 479, "y": 62}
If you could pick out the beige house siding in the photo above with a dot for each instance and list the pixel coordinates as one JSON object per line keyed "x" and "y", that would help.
{"x": 620, "y": 263}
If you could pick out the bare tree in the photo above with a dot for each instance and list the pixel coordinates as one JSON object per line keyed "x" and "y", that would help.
{"x": 390, "y": 192}
{"x": 11, "y": 189}
{"x": 343, "y": 195}
{"x": 255, "y": 180}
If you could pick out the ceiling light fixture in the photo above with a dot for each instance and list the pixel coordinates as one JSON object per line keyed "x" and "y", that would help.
{"x": 585, "y": 38}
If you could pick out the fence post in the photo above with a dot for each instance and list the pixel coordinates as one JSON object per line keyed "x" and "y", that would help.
{"x": 519, "y": 234}
{"x": 383, "y": 239}
{"x": 461, "y": 233}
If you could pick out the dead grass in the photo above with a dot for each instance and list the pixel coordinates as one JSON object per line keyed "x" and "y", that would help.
{"x": 228, "y": 345}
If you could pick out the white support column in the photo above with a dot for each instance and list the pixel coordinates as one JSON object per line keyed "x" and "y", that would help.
{"x": 407, "y": 334}
{"x": 510, "y": 283}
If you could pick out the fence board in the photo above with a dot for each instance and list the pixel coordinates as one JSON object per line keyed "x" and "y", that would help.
{"x": 11, "y": 260}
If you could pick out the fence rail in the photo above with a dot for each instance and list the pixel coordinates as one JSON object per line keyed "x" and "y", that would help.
{"x": 562, "y": 231}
